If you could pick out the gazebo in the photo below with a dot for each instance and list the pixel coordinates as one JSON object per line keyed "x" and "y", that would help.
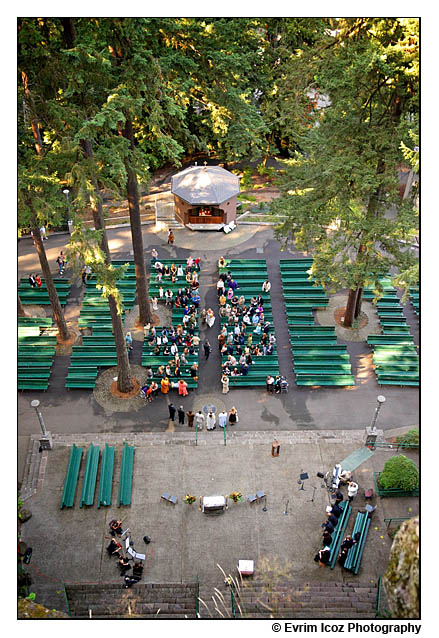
{"x": 205, "y": 197}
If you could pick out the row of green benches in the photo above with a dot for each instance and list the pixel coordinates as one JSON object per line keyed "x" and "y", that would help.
{"x": 106, "y": 476}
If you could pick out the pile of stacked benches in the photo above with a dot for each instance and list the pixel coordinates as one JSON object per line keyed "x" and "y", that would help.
{"x": 395, "y": 355}
{"x": 98, "y": 350}
{"x": 250, "y": 274}
{"x": 40, "y": 296}
{"x": 36, "y": 350}
{"x": 317, "y": 357}
{"x": 149, "y": 359}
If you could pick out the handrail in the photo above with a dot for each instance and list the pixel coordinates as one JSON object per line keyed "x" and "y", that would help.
{"x": 389, "y": 520}
{"x": 378, "y": 598}
{"x": 397, "y": 446}
{"x": 66, "y": 599}
{"x": 233, "y": 602}
{"x": 197, "y": 602}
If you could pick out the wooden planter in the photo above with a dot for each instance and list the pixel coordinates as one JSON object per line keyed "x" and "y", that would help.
{"x": 392, "y": 492}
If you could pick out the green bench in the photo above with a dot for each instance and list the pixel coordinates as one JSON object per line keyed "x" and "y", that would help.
{"x": 395, "y": 330}
{"x": 355, "y": 553}
{"x": 37, "y": 321}
{"x": 126, "y": 475}
{"x": 311, "y": 341}
{"x": 321, "y": 367}
{"x": 338, "y": 533}
{"x": 32, "y": 384}
{"x": 91, "y": 472}
{"x": 36, "y": 341}
{"x": 81, "y": 384}
{"x": 330, "y": 379}
{"x": 68, "y": 495}
{"x": 41, "y": 373}
{"x": 389, "y": 339}
{"x": 106, "y": 477}
{"x": 332, "y": 348}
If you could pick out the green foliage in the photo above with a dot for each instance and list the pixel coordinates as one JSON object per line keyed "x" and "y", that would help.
{"x": 399, "y": 473}
{"x": 409, "y": 438}
{"x": 246, "y": 179}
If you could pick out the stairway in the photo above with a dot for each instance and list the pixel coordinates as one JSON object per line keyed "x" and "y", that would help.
{"x": 143, "y": 600}
{"x": 293, "y": 600}
{"x": 165, "y": 212}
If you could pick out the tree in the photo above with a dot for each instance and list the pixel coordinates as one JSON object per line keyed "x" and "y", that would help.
{"x": 350, "y": 100}
{"x": 85, "y": 248}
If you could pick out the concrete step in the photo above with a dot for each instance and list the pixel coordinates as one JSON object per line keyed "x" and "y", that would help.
{"x": 294, "y": 600}
{"x": 31, "y": 469}
{"x": 143, "y": 600}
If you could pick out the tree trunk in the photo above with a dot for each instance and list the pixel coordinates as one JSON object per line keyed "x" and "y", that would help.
{"x": 20, "y": 308}
{"x": 145, "y": 315}
{"x": 350, "y": 308}
{"x": 358, "y": 303}
{"x": 124, "y": 381}
{"x": 58, "y": 314}
{"x": 33, "y": 119}
{"x": 96, "y": 204}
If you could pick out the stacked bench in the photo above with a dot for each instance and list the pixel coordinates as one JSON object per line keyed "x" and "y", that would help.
{"x": 91, "y": 473}
{"x": 250, "y": 274}
{"x": 317, "y": 357}
{"x": 99, "y": 349}
{"x": 36, "y": 351}
{"x": 395, "y": 355}
{"x": 339, "y": 531}
{"x": 40, "y": 296}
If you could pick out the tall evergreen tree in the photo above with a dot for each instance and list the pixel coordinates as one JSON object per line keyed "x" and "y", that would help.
{"x": 350, "y": 99}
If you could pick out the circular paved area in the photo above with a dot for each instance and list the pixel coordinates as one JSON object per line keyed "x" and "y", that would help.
{"x": 109, "y": 401}
{"x": 326, "y": 318}
{"x": 209, "y": 240}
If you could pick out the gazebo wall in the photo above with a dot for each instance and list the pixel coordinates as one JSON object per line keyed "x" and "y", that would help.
{"x": 182, "y": 209}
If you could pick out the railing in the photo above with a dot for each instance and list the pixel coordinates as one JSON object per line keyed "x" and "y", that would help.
{"x": 65, "y": 598}
{"x": 378, "y": 599}
{"x": 399, "y": 520}
{"x": 233, "y": 601}
{"x": 392, "y": 446}
{"x": 205, "y": 219}
{"x": 197, "y": 596}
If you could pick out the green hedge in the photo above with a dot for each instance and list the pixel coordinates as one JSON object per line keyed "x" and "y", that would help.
{"x": 411, "y": 437}
{"x": 399, "y": 473}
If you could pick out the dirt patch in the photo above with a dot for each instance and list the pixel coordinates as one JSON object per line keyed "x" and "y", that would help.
{"x": 361, "y": 322}
{"x": 126, "y": 395}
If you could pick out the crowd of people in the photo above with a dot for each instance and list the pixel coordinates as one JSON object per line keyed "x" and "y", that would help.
{"x": 124, "y": 562}
{"x": 333, "y": 513}
{"x": 200, "y": 420}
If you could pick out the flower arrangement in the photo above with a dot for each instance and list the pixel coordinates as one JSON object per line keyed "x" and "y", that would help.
{"x": 189, "y": 499}
{"x": 236, "y": 496}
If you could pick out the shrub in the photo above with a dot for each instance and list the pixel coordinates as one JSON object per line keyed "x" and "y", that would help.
{"x": 246, "y": 179}
{"x": 411, "y": 437}
{"x": 399, "y": 473}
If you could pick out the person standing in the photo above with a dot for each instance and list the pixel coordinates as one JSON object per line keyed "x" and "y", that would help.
{"x": 129, "y": 341}
{"x": 43, "y": 232}
{"x": 207, "y": 349}
{"x": 84, "y": 276}
{"x": 164, "y": 385}
{"x": 225, "y": 383}
{"x": 266, "y": 286}
{"x": 233, "y": 416}
{"x": 199, "y": 420}
{"x": 190, "y": 418}
{"x": 181, "y": 415}
{"x": 352, "y": 490}
{"x": 38, "y": 281}
{"x": 210, "y": 421}
{"x": 170, "y": 237}
{"x": 210, "y": 317}
{"x": 222, "y": 419}
{"x": 172, "y": 411}
{"x": 270, "y": 383}
{"x": 32, "y": 281}
{"x": 61, "y": 261}
{"x": 154, "y": 255}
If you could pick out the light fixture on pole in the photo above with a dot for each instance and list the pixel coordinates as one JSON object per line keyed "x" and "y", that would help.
{"x": 380, "y": 400}
{"x": 46, "y": 439}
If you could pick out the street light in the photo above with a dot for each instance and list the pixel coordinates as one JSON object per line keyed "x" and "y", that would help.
{"x": 69, "y": 221}
{"x": 46, "y": 439}
{"x": 380, "y": 400}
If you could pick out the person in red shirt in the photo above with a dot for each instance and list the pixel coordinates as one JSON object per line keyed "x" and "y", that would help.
{"x": 38, "y": 280}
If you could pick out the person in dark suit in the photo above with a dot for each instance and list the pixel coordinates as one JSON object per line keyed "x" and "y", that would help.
{"x": 336, "y": 511}
{"x": 181, "y": 415}
{"x": 172, "y": 411}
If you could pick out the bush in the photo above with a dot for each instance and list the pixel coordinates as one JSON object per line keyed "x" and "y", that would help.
{"x": 411, "y": 437}
{"x": 246, "y": 179}
{"x": 399, "y": 473}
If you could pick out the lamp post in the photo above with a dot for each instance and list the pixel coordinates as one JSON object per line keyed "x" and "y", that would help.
{"x": 371, "y": 431}
{"x": 380, "y": 400}
{"x": 46, "y": 439}
{"x": 69, "y": 221}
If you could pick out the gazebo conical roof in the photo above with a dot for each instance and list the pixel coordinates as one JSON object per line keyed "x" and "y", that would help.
{"x": 205, "y": 185}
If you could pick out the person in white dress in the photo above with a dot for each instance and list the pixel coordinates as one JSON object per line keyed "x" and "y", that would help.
{"x": 210, "y": 318}
{"x": 210, "y": 421}
{"x": 199, "y": 420}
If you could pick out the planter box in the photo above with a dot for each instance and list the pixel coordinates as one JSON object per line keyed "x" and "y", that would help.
{"x": 392, "y": 492}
